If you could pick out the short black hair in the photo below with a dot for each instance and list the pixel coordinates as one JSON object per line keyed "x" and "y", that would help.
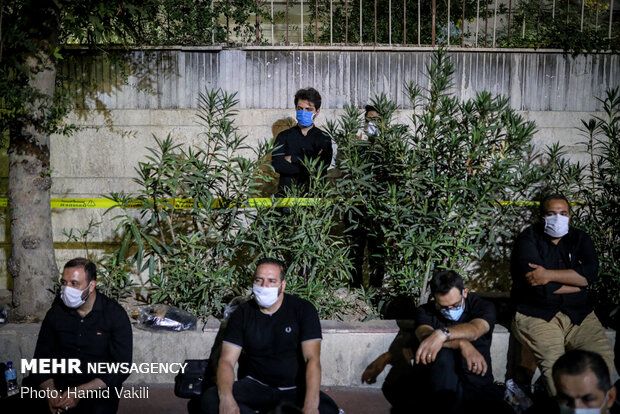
{"x": 89, "y": 267}
{"x": 444, "y": 281}
{"x": 578, "y": 361}
{"x": 273, "y": 261}
{"x": 369, "y": 108}
{"x": 309, "y": 94}
{"x": 549, "y": 197}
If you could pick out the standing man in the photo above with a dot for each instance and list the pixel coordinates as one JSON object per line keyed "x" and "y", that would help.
{"x": 453, "y": 358}
{"x": 87, "y": 325}
{"x": 280, "y": 336}
{"x": 302, "y": 142}
{"x": 552, "y": 265}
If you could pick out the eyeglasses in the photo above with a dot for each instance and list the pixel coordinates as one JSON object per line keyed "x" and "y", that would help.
{"x": 449, "y": 307}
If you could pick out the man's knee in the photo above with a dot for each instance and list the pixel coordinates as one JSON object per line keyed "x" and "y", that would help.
{"x": 326, "y": 404}
{"x": 209, "y": 401}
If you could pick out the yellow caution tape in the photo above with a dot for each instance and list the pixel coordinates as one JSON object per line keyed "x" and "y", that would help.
{"x": 177, "y": 203}
{"x": 188, "y": 203}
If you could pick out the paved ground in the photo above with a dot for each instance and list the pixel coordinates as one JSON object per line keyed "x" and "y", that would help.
{"x": 162, "y": 401}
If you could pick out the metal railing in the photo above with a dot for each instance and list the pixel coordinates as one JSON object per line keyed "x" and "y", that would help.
{"x": 466, "y": 23}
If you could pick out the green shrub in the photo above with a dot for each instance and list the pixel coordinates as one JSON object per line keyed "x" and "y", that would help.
{"x": 432, "y": 185}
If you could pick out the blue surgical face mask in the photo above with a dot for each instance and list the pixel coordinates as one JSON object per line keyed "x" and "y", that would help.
{"x": 304, "y": 118}
{"x": 454, "y": 314}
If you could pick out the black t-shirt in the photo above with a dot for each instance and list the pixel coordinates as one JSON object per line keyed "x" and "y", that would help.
{"x": 574, "y": 251}
{"x": 103, "y": 335}
{"x": 475, "y": 308}
{"x": 317, "y": 144}
{"x": 272, "y": 343}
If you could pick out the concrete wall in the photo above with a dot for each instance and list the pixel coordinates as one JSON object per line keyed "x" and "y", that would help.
{"x": 346, "y": 351}
{"x": 118, "y": 117}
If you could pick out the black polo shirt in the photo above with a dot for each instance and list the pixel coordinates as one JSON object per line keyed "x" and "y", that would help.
{"x": 292, "y": 142}
{"x": 574, "y": 251}
{"x": 475, "y": 308}
{"x": 103, "y": 335}
{"x": 272, "y": 343}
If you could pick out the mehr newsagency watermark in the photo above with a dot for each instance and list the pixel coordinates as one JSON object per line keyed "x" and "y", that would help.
{"x": 68, "y": 366}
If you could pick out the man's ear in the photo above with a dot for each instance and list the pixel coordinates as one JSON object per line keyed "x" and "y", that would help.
{"x": 92, "y": 286}
{"x": 465, "y": 292}
{"x": 611, "y": 397}
{"x": 317, "y": 113}
{"x": 283, "y": 285}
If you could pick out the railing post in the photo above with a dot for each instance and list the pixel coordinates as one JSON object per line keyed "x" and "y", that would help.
{"x": 404, "y": 22}
{"x": 494, "y": 22}
{"x": 257, "y": 27}
{"x": 463, "y": 25}
{"x": 346, "y": 22}
{"x": 316, "y": 22}
{"x": 433, "y": 14}
{"x": 611, "y": 13}
{"x": 331, "y": 22}
{"x": 273, "y": 39}
{"x": 390, "y": 22}
{"x": 477, "y": 21}
{"x": 375, "y": 22}
{"x": 287, "y": 22}
{"x": 509, "y": 18}
{"x": 301, "y": 18}
{"x": 419, "y": 25}
{"x": 361, "y": 42}
{"x": 448, "y": 23}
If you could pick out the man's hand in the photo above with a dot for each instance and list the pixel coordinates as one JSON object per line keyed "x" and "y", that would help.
{"x": 475, "y": 361}
{"x": 67, "y": 402}
{"x": 429, "y": 347}
{"x": 538, "y": 276}
{"x": 287, "y": 158}
{"x": 310, "y": 410}
{"x": 372, "y": 371}
{"x": 228, "y": 405}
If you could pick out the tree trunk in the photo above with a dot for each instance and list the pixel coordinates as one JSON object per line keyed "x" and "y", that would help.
{"x": 32, "y": 262}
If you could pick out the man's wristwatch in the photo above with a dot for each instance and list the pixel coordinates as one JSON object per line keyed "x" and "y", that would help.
{"x": 446, "y": 331}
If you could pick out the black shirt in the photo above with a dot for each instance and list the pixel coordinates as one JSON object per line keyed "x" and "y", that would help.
{"x": 103, "y": 335}
{"x": 574, "y": 251}
{"x": 272, "y": 343}
{"x": 292, "y": 142}
{"x": 475, "y": 308}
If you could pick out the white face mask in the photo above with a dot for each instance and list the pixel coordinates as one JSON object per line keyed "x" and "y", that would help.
{"x": 265, "y": 296}
{"x": 556, "y": 225}
{"x": 371, "y": 129}
{"x": 72, "y": 297}
{"x": 570, "y": 410}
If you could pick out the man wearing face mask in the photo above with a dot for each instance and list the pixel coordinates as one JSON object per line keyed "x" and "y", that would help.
{"x": 302, "y": 142}
{"x": 583, "y": 386}
{"x": 552, "y": 264}
{"x": 280, "y": 336}
{"x": 453, "y": 359}
{"x": 87, "y": 325}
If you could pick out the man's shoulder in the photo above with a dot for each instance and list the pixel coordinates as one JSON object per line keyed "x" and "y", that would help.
{"x": 110, "y": 307}
{"x": 292, "y": 131}
{"x": 296, "y": 301}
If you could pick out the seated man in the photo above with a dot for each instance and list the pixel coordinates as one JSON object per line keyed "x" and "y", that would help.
{"x": 583, "y": 385}
{"x": 87, "y": 325}
{"x": 551, "y": 266}
{"x": 453, "y": 359}
{"x": 280, "y": 336}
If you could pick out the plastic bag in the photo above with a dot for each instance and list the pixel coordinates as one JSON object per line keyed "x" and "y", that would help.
{"x": 163, "y": 317}
{"x": 516, "y": 397}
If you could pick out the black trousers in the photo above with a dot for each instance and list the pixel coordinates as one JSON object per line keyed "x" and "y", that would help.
{"x": 253, "y": 397}
{"x": 444, "y": 386}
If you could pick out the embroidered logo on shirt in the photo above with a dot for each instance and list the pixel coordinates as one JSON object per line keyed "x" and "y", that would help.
{"x": 288, "y": 329}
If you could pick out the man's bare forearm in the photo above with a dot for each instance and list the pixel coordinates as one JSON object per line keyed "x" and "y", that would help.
{"x": 313, "y": 383}
{"x": 225, "y": 379}
{"x": 566, "y": 277}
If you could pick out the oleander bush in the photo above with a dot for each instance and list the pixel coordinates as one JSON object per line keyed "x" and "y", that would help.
{"x": 431, "y": 185}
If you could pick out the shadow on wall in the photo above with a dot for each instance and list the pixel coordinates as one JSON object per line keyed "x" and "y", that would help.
{"x": 270, "y": 188}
